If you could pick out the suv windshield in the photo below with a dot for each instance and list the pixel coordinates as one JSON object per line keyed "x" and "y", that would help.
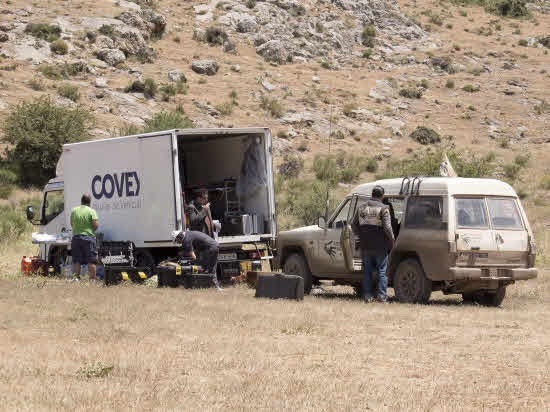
{"x": 504, "y": 213}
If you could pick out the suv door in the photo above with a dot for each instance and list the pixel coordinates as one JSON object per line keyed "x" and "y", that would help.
{"x": 509, "y": 231}
{"x": 330, "y": 259}
{"x": 475, "y": 241}
{"x": 349, "y": 240}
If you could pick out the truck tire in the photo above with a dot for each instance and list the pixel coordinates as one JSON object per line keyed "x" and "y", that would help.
{"x": 296, "y": 264}
{"x": 410, "y": 282}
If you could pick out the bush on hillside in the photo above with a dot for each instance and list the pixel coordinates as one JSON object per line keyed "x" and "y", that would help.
{"x": 59, "y": 47}
{"x": 291, "y": 166}
{"x": 164, "y": 120}
{"x": 8, "y": 179}
{"x": 44, "y": 31}
{"x": 12, "y": 224}
{"x": 305, "y": 200}
{"x": 37, "y": 130}
{"x": 425, "y": 135}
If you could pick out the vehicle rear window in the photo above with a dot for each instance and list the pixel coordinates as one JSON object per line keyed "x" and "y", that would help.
{"x": 504, "y": 214}
{"x": 470, "y": 212}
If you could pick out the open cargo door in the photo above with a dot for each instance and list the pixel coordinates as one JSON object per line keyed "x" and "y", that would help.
{"x": 160, "y": 188}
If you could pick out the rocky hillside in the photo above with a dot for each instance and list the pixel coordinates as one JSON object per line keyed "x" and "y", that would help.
{"x": 369, "y": 72}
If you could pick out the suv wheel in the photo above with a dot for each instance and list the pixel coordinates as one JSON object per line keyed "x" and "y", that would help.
{"x": 410, "y": 283}
{"x": 296, "y": 264}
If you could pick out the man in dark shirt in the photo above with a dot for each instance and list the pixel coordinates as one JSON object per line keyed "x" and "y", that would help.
{"x": 198, "y": 213}
{"x": 194, "y": 242}
{"x": 373, "y": 224}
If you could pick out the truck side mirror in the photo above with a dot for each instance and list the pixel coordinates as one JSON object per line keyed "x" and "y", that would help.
{"x": 30, "y": 213}
{"x": 322, "y": 223}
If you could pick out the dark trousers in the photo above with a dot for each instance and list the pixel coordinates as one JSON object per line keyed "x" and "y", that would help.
{"x": 208, "y": 259}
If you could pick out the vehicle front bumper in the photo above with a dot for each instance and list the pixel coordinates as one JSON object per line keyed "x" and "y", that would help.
{"x": 466, "y": 273}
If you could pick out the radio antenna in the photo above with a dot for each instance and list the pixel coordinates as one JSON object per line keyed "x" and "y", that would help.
{"x": 329, "y": 143}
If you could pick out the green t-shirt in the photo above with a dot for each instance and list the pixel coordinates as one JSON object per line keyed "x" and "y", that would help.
{"x": 81, "y": 220}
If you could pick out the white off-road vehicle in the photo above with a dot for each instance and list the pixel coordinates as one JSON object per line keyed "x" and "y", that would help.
{"x": 457, "y": 235}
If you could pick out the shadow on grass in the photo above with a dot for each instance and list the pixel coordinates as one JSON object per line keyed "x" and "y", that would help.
{"x": 329, "y": 295}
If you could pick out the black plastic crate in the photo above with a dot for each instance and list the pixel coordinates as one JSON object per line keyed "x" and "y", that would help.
{"x": 117, "y": 274}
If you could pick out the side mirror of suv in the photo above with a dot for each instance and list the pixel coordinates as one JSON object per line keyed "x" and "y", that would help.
{"x": 322, "y": 223}
{"x": 30, "y": 213}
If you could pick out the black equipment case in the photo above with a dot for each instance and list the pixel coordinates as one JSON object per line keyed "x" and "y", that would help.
{"x": 280, "y": 286}
{"x": 117, "y": 274}
{"x": 185, "y": 275}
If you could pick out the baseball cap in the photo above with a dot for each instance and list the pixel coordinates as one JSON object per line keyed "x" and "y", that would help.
{"x": 177, "y": 235}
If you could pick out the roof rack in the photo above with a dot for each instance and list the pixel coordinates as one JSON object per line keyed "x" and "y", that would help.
{"x": 408, "y": 187}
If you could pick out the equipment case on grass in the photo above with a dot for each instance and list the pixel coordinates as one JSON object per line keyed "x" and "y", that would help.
{"x": 280, "y": 286}
{"x": 117, "y": 274}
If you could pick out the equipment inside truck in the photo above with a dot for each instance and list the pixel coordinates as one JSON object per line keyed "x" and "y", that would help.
{"x": 233, "y": 169}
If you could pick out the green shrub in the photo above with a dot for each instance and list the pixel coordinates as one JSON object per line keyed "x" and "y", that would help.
{"x": 545, "y": 182}
{"x": 450, "y": 84}
{"x": 215, "y": 35}
{"x": 59, "y": 47}
{"x": 37, "y": 85}
{"x": 291, "y": 166}
{"x": 325, "y": 169}
{"x": 508, "y": 8}
{"x": 521, "y": 160}
{"x": 225, "y": 108}
{"x": 470, "y": 88}
{"x": 304, "y": 200}
{"x": 149, "y": 88}
{"x": 69, "y": 91}
{"x": 511, "y": 170}
{"x": 368, "y": 36}
{"x": 272, "y": 106}
{"x": 371, "y": 165}
{"x": 542, "y": 107}
{"x": 8, "y": 179}
{"x": 50, "y": 71}
{"x": 425, "y": 135}
{"x": 411, "y": 92}
{"x": 48, "y": 32}
{"x": 523, "y": 42}
{"x": 37, "y": 130}
{"x": 427, "y": 162}
{"x": 164, "y": 120}
{"x": 367, "y": 53}
{"x": 13, "y": 224}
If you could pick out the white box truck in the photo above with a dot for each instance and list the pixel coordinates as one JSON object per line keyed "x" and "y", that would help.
{"x": 140, "y": 185}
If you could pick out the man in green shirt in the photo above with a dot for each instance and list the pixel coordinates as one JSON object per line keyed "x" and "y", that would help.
{"x": 83, "y": 245}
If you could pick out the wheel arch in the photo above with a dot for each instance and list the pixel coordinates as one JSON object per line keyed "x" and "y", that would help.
{"x": 289, "y": 250}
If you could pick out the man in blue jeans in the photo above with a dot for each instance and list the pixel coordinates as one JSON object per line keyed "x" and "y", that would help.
{"x": 373, "y": 224}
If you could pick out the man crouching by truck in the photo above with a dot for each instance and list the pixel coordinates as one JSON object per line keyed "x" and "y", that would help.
{"x": 206, "y": 247}
{"x": 84, "y": 223}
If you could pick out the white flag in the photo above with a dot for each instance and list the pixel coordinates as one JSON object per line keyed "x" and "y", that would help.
{"x": 446, "y": 168}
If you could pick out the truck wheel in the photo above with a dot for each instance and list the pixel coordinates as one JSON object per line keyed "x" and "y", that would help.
{"x": 410, "y": 283}
{"x": 296, "y": 264}
{"x": 493, "y": 298}
{"x": 469, "y": 297}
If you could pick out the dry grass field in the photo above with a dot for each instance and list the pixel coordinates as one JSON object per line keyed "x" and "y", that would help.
{"x": 68, "y": 346}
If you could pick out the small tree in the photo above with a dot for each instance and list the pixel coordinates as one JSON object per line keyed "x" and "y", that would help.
{"x": 36, "y": 132}
{"x": 164, "y": 120}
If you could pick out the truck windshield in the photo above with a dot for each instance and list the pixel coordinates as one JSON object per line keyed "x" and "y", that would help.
{"x": 504, "y": 214}
{"x": 54, "y": 204}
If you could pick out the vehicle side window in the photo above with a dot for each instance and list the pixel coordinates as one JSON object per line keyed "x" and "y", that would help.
{"x": 504, "y": 213}
{"x": 342, "y": 215}
{"x": 54, "y": 204}
{"x": 424, "y": 213}
{"x": 470, "y": 212}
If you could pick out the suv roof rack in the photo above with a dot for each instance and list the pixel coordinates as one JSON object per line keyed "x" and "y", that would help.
{"x": 408, "y": 187}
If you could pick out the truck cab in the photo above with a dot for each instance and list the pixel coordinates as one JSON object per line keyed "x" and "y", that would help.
{"x": 457, "y": 235}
